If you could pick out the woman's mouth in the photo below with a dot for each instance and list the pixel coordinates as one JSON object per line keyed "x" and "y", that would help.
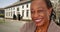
{"x": 38, "y": 20}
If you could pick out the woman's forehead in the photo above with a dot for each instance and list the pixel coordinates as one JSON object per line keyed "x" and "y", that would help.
{"x": 38, "y": 6}
{"x": 38, "y": 3}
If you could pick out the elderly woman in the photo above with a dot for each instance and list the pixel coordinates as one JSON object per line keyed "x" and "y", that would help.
{"x": 41, "y": 14}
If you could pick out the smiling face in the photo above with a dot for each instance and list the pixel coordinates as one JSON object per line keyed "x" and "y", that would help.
{"x": 39, "y": 12}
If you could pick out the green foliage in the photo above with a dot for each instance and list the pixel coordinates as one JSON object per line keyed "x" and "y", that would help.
{"x": 1, "y": 21}
{"x": 1, "y": 14}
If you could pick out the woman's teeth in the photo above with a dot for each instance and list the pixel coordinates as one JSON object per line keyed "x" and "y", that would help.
{"x": 38, "y": 20}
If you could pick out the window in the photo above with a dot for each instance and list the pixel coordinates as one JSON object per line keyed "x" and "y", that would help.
{"x": 22, "y": 6}
{"x": 22, "y": 12}
{"x": 13, "y": 8}
{"x": 27, "y": 12}
{"x": 27, "y": 5}
{"x": 6, "y": 14}
{"x": 17, "y": 9}
{"x": 11, "y": 13}
{"x": 9, "y": 8}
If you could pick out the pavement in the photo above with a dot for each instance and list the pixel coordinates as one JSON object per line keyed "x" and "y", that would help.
{"x": 11, "y": 25}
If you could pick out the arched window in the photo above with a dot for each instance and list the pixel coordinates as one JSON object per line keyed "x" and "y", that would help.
{"x": 27, "y": 5}
{"x": 22, "y": 6}
{"x": 11, "y": 13}
{"x": 18, "y": 9}
{"x": 23, "y": 13}
{"x": 27, "y": 13}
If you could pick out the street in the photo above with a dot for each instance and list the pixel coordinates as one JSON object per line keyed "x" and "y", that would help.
{"x": 11, "y": 25}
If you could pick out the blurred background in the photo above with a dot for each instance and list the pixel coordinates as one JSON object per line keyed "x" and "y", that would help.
{"x": 15, "y": 13}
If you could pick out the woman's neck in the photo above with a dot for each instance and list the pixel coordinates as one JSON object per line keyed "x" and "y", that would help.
{"x": 43, "y": 28}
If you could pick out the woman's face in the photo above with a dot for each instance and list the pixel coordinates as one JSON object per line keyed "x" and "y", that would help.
{"x": 39, "y": 12}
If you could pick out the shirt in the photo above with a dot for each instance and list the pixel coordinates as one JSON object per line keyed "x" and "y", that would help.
{"x": 30, "y": 27}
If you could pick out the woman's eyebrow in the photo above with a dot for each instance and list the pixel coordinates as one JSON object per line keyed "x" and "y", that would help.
{"x": 40, "y": 8}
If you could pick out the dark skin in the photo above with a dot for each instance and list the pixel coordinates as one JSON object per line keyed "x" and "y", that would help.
{"x": 40, "y": 15}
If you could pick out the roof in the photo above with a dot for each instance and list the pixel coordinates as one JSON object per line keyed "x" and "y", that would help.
{"x": 18, "y": 3}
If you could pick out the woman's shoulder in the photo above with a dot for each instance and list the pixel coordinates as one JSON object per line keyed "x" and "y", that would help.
{"x": 53, "y": 27}
{"x": 27, "y": 27}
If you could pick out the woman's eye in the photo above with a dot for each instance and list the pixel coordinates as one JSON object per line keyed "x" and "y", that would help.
{"x": 32, "y": 12}
{"x": 40, "y": 11}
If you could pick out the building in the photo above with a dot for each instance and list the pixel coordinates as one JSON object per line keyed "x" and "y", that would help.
{"x": 58, "y": 11}
{"x": 22, "y": 7}
{"x": 56, "y": 6}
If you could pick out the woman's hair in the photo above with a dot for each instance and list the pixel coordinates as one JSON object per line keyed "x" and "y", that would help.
{"x": 49, "y": 5}
{"x": 53, "y": 14}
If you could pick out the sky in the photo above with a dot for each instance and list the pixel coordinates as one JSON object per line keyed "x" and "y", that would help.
{"x": 4, "y": 3}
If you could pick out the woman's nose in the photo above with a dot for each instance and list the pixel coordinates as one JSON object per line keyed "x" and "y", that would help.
{"x": 36, "y": 15}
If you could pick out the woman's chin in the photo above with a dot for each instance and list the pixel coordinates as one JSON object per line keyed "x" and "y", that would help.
{"x": 38, "y": 25}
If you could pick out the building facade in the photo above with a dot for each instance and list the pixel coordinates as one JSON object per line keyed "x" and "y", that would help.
{"x": 56, "y": 6}
{"x": 21, "y": 7}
